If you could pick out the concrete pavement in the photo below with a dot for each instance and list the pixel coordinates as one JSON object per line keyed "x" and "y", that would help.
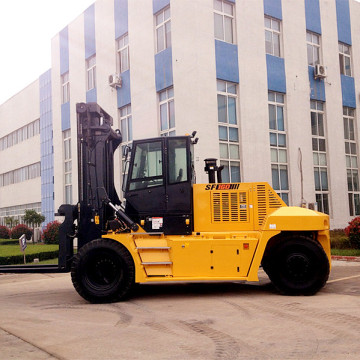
{"x": 42, "y": 317}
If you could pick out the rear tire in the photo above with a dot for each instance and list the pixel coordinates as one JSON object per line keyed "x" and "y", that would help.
{"x": 103, "y": 271}
{"x": 297, "y": 265}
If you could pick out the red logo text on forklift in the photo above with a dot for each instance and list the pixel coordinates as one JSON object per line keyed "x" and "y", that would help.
{"x": 222, "y": 186}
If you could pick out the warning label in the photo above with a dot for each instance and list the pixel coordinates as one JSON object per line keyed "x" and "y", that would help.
{"x": 157, "y": 223}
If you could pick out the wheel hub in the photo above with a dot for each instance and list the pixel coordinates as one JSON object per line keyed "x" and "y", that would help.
{"x": 298, "y": 266}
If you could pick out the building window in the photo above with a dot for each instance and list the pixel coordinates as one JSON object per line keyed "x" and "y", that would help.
{"x": 67, "y": 167}
{"x": 345, "y": 59}
{"x": 163, "y": 30}
{"x": 91, "y": 72}
{"x": 313, "y": 48}
{"x": 20, "y": 135}
{"x": 126, "y": 123}
{"x": 351, "y": 161}
{"x": 17, "y": 212}
{"x": 319, "y": 156}
{"x": 224, "y": 21}
{"x": 228, "y": 131}
{"x": 21, "y": 174}
{"x": 167, "y": 112}
{"x": 278, "y": 145}
{"x": 123, "y": 53}
{"x": 272, "y": 36}
{"x": 65, "y": 88}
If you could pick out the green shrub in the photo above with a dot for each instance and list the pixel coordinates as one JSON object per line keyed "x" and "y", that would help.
{"x": 20, "y": 229}
{"x": 9, "y": 242}
{"x": 339, "y": 240}
{"x": 4, "y": 232}
{"x": 353, "y": 232}
{"x": 50, "y": 234}
{"x": 19, "y": 259}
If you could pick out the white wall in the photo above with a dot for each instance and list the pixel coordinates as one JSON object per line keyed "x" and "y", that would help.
{"x": 253, "y": 94}
{"x": 335, "y": 128}
{"x": 194, "y": 72}
{"x": 142, "y": 70}
{"x": 20, "y": 110}
{"x": 297, "y": 102}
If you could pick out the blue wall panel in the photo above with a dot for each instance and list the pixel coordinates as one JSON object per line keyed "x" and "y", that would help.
{"x": 276, "y": 73}
{"x": 163, "y": 69}
{"x": 46, "y": 148}
{"x": 64, "y": 51}
{"x": 65, "y": 116}
{"x": 123, "y": 93}
{"x": 343, "y": 21}
{"x": 312, "y": 14}
{"x": 348, "y": 91}
{"x": 89, "y": 31}
{"x": 317, "y": 87}
{"x": 91, "y": 95}
{"x": 121, "y": 17}
{"x": 273, "y": 8}
{"x": 159, "y": 4}
{"x": 227, "y": 63}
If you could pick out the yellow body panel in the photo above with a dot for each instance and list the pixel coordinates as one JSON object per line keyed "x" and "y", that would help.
{"x": 232, "y": 226}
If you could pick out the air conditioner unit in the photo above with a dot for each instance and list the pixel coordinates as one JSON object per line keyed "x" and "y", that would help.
{"x": 115, "y": 80}
{"x": 320, "y": 71}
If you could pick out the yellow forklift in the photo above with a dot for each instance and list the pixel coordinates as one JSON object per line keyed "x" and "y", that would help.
{"x": 171, "y": 229}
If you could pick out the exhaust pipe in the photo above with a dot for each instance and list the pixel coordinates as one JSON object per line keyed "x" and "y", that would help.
{"x": 211, "y": 168}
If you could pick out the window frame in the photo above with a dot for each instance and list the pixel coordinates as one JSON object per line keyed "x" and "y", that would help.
{"x": 220, "y": 12}
{"x": 65, "y": 88}
{"x": 122, "y": 47}
{"x": 279, "y": 149}
{"x": 342, "y": 59}
{"x": 167, "y": 100}
{"x": 91, "y": 73}
{"x": 231, "y": 145}
{"x": 273, "y": 31}
{"x": 320, "y": 157}
{"x": 315, "y": 48}
{"x": 67, "y": 166}
{"x": 351, "y": 160}
{"x": 162, "y": 29}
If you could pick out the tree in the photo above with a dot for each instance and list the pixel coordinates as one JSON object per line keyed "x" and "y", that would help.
{"x": 33, "y": 218}
{"x": 10, "y": 221}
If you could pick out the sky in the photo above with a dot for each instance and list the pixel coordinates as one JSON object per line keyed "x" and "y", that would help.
{"x": 26, "y": 30}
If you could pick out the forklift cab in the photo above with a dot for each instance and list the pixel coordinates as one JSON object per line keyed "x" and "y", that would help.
{"x": 158, "y": 188}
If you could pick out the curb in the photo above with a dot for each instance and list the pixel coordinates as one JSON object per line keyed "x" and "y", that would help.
{"x": 346, "y": 258}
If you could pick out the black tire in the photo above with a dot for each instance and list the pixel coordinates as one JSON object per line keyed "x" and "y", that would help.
{"x": 297, "y": 265}
{"x": 103, "y": 271}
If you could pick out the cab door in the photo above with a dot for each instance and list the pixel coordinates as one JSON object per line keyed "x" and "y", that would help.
{"x": 145, "y": 191}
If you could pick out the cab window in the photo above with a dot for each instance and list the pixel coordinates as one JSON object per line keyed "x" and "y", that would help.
{"x": 147, "y": 168}
{"x": 178, "y": 170}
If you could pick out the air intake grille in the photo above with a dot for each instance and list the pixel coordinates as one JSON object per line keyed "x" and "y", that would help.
{"x": 274, "y": 201}
{"x": 230, "y": 207}
{"x": 267, "y": 202}
{"x": 261, "y": 198}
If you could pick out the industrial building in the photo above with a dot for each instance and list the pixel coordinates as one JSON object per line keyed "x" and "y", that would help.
{"x": 270, "y": 86}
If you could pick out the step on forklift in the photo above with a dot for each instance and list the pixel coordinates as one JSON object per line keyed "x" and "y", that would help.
{"x": 171, "y": 229}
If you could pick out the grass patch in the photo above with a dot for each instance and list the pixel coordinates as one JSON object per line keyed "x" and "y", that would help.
{"x": 11, "y": 254}
{"x": 11, "y": 250}
{"x": 345, "y": 252}
{"x": 9, "y": 241}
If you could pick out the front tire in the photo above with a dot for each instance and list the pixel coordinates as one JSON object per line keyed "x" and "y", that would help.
{"x": 103, "y": 271}
{"x": 297, "y": 265}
